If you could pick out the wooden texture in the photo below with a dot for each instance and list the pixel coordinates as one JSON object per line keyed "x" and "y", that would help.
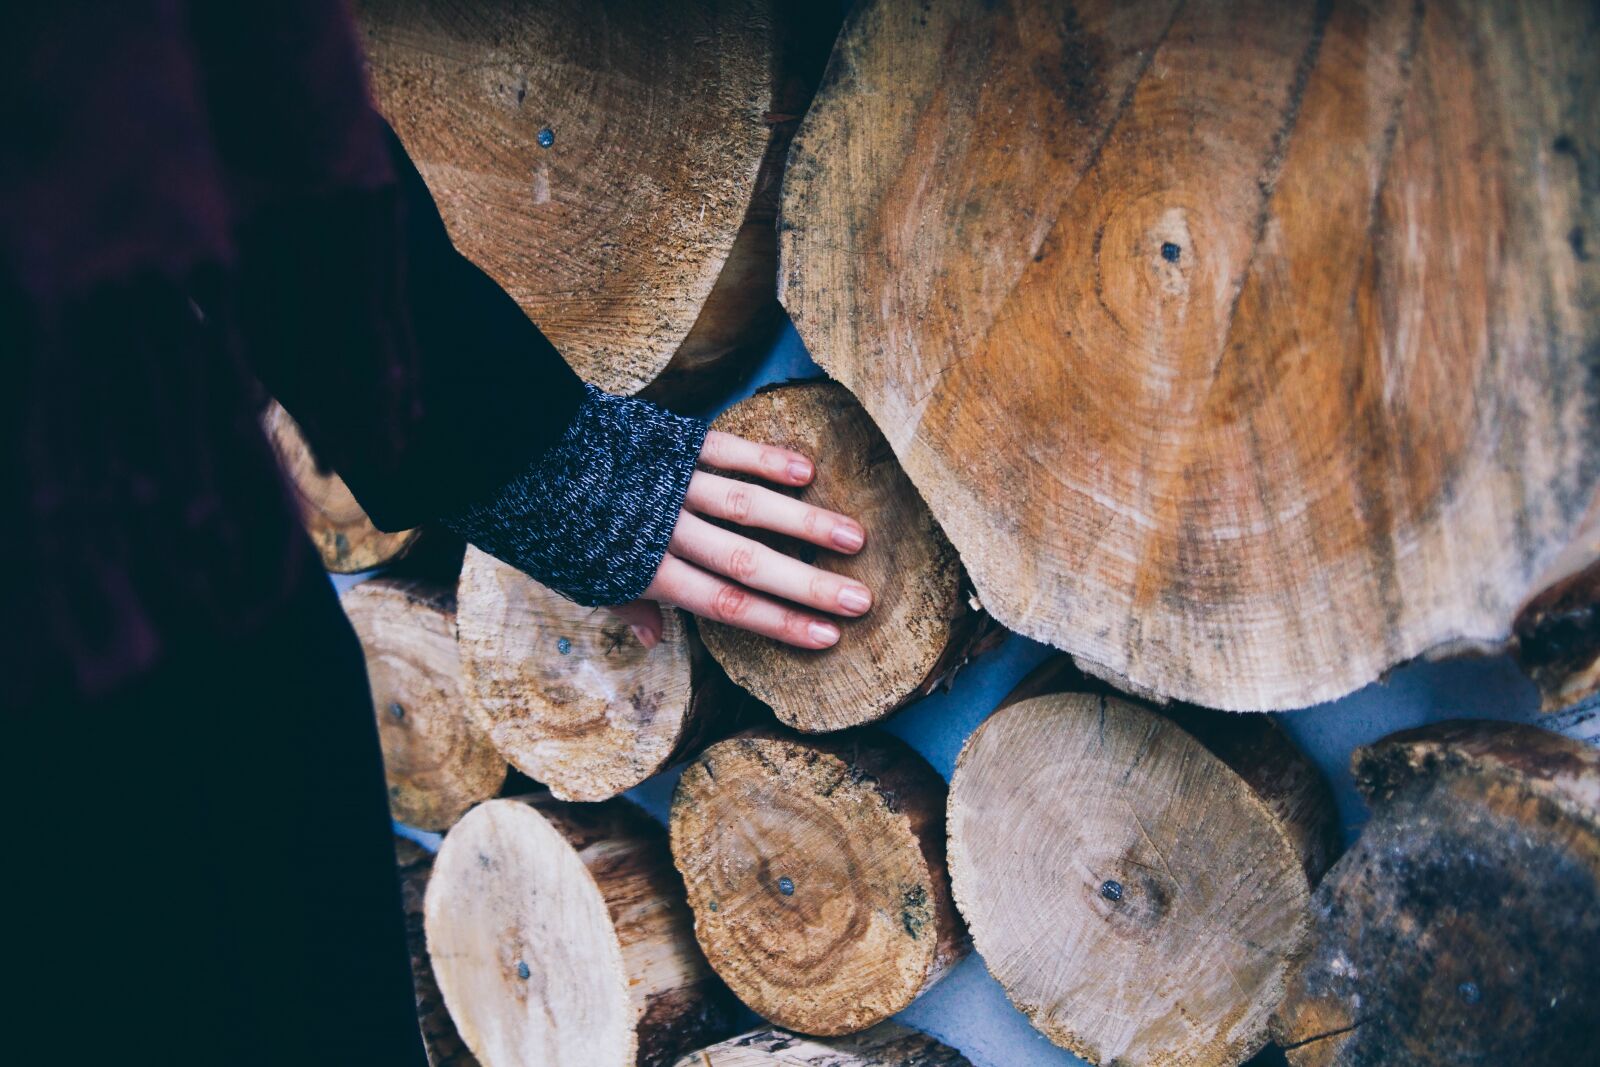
{"x": 816, "y": 872}
{"x": 570, "y": 696}
{"x": 885, "y": 1045}
{"x": 1138, "y": 889}
{"x": 639, "y": 238}
{"x": 344, "y": 536}
{"x": 437, "y": 761}
{"x": 1558, "y": 640}
{"x": 439, "y": 1038}
{"x": 1464, "y": 925}
{"x": 921, "y": 627}
{"x": 1244, "y": 349}
{"x": 559, "y": 935}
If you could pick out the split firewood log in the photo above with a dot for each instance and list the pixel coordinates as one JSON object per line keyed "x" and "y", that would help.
{"x": 921, "y": 627}
{"x": 1243, "y": 349}
{"x": 439, "y": 1037}
{"x": 559, "y": 935}
{"x": 344, "y": 536}
{"x": 437, "y": 761}
{"x": 885, "y": 1045}
{"x": 615, "y": 167}
{"x": 815, "y": 869}
{"x": 1138, "y": 882}
{"x": 570, "y": 697}
{"x": 1464, "y": 925}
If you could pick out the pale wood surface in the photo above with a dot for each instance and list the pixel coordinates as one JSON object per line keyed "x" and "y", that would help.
{"x": 920, "y": 626}
{"x": 559, "y": 935}
{"x": 570, "y": 696}
{"x": 344, "y": 536}
{"x": 1136, "y": 896}
{"x": 437, "y": 761}
{"x": 1244, "y": 349}
{"x": 885, "y": 1045}
{"x": 1462, "y": 927}
{"x": 815, "y": 869}
{"x": 439, "y": 1038}
{"x": 613, "y": 236}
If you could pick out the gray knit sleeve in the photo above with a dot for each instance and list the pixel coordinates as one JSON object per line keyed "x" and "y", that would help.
{"x": 592, "y": 516}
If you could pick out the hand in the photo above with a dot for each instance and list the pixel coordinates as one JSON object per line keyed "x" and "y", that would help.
{"x": 702, "y": 557}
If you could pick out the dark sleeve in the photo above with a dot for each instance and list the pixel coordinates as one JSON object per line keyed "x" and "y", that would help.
{"x": 436, "y": 399}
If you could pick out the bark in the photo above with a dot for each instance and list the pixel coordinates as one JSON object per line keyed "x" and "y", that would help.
{"x": 1243, "y": 349}
{"x": 444, "y": 1046}
{"x": 817, "y": 876}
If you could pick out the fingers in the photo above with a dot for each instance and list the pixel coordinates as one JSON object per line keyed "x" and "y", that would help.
{"x": 643, "y": 618}
{"x": 759, "y": 567}
{"x": 711, "y": 597}
{"x": 730, "y": 453}
{"x": 752, "y": 505}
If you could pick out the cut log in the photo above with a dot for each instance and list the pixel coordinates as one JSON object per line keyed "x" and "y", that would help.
{"x": 1139, "y": 888}
{"x": 344, "y": 536}
{"x": 816, "y": 872}
{"x": 1243, "y": 349}
{"x": 885, "y": 1045}
{"x": 1558, "y": 640}
{"x": 614, "y": 167}
{"x": 437, "y": 761}
{"x": 439, "y": 1038}
{"x": 559, "y": 935}
{"x": 921, "y": 627}
{"x": 571, "y": 697}
{"x": 1464, "y": 925}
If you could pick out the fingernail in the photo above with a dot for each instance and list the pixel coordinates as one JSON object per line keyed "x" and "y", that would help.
{"x": 855, "y": 599}
{"x": 848, "y": 538}
{"x": 800, "y": 470}
{"x": 646, "y": 637}
{"x": 824, "y": 632}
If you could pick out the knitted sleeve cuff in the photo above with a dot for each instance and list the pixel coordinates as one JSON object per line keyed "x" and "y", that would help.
{"x": 592, "y": 516}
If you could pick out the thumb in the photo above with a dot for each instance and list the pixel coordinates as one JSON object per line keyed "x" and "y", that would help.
{"x": 643, "y": 617}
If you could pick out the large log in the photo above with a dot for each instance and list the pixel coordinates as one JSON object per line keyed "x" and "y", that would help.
{"x": 1243, "y": 349}
{"x": 570, "y": 696}
{"x": 437, "y": 761}
{"x": 921, "y": 627}
{"x": 885, "y": 1045}
{"x": 1464, "y": 925}
{"x": 1138, "y": 887}
{"x": 559, "y": 935}
{"x": 816, "y": 872}
{"x": 439, "y": 1037}
{"x": 344, "y": 536}
{"x": 614, "y": 167}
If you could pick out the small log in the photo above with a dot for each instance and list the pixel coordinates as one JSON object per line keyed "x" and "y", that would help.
{"x": 921, "y": 627}
{"x": 559, "y": 935}
{"x": 614, "y": 167}
{"x": 1464, "y": 925}
{"x": 1244, "y": 349}
{"x": 570, "y": 696}
{"x": 439, "y": 1038}
{"x": 437, "y": 761}
{"x": 816, "y": 872}
{"x": 1557, "y": 640}
{"x": 344, "y": 536}
{"x": 1138, "y": 887}
{"x": 885, "y": 1045}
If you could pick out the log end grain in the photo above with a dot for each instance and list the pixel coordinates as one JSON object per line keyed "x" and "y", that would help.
{"x": 558, "y": 934}
{"x": 1137, "y": 897}
{"x": 437, "y": 762}
{"x": 885, "y": 1045}
{"x": 569, "y": 695}
{"x": 920, "y": 625}
{"x": 345, "y": 538}
{"x": 1462, "y": 927}
{"x": 816, "y": 874}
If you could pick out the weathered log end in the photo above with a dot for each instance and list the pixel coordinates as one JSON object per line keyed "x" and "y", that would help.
{"x": 437, "y": 761}
{"x": 817, "y": 876}
{"x": 559, "y": 934}
{"x": 1463, "y": 926}
{"x": 1138, "y": 889}
{"x": 885, "y": 1045}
